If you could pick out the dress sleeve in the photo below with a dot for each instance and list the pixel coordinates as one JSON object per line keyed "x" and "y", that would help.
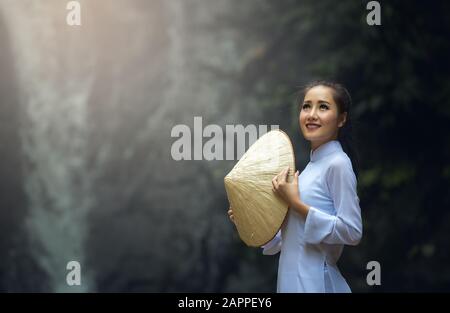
{"x": 346, "y": 226}
{"x": 273, "y": 246}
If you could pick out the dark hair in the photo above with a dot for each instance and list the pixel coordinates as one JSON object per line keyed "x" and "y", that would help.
{"x": 344, "y": 103}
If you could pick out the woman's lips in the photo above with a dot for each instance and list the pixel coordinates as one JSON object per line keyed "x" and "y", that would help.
{"x": 312, "y": 126}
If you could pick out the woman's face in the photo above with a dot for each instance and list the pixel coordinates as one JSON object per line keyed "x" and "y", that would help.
{"x": 319, "y": 117}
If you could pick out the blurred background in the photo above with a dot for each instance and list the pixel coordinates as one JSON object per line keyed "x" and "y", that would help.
{"x": 86, "y": 115}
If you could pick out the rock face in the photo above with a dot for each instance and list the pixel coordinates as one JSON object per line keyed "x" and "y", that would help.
{"x": 95, "y": 107}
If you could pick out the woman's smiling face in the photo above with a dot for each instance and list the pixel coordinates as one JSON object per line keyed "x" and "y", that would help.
{"x": 319, "y": 116}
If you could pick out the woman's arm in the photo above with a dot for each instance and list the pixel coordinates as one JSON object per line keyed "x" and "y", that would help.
{"x": 343, "y": 228}
{"x": 273, "y": 246}
{"x": 346, "y": 226}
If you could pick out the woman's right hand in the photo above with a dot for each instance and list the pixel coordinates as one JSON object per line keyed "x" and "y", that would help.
{"x": 230, "y": 214}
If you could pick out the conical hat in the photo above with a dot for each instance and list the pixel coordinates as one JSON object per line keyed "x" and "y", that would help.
{"x": 258, "y": 212}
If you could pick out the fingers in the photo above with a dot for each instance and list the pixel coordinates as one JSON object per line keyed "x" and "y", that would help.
{"x": 230, "y": 214}
{"x": 279, "y": 179}
{"x": 275, "y": 184}
{"x": 284, "y": 174}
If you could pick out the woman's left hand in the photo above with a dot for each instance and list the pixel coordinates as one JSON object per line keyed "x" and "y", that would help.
{"x": 287, "y": 191}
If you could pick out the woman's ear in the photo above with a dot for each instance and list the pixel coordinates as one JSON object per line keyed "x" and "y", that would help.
{"x": 343, "y": 119}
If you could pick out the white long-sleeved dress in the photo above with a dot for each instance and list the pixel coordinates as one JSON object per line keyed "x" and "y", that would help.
{"x": 310, "y": 248}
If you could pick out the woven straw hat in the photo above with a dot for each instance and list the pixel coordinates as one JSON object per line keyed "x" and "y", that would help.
{"x": 258, "y": 212}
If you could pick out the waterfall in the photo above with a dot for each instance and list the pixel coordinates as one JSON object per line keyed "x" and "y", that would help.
{"x": 97, "y": 105}
{"x": 54, "y": 90}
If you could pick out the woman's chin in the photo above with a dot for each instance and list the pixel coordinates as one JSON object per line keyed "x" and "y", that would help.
{"x": 310, "y": 137}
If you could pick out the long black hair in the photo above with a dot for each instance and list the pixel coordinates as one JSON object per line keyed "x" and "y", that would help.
{"x": 344, "y": 103}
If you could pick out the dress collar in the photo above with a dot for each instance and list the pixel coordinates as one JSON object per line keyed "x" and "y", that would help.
{"x": 324, "y": 150}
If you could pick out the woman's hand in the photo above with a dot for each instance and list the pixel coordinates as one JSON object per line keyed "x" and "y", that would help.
{"x": 287, "y": 191}
{"x": 230, "y": 214}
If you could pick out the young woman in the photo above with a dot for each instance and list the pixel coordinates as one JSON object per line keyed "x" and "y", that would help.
{"x": 324, "y": 213}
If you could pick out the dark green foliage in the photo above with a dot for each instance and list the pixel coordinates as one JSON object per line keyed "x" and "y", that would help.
{"x": 398, "y": 75}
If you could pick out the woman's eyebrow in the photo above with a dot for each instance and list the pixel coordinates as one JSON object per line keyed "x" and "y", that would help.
{"x": 319, "y": 101}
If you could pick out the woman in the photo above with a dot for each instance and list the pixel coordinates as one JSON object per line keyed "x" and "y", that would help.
{"x": 324, "y": 213}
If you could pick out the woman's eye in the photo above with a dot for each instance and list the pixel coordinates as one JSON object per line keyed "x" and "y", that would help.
{"x": 323, "y": 107}
{"x": 305, "y": 106}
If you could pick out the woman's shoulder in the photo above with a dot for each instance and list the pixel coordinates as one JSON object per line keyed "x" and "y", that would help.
{"x": 339, "y": 163}
{"x": 339, "y": 159}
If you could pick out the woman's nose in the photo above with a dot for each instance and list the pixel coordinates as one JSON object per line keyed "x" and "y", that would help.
{"x": 312, "y": 116}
